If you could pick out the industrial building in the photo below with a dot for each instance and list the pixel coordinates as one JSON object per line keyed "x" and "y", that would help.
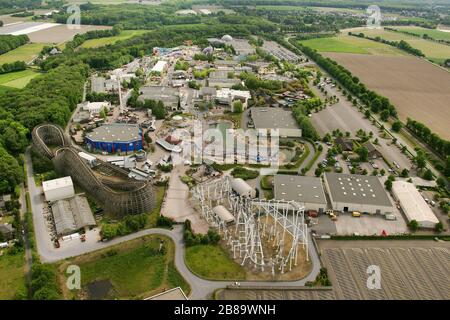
{"x": 72, "y": 214}
{"x": 242, "y": 188}
{"x": 413, "y": 204}
{"x": 112, "y": 138}
{"x": 58, "y": 189}
{"x": 95, "y": 107}
{"x": 229, "y": 96}
{"x": 351, "y": 192}
{"x": 160, "y": 67}
{"x": 169, "y": 96}
{"x": 276, "y": 118}
{"x": 306, "y": 190}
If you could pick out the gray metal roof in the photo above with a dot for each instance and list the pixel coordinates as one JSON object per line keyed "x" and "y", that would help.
{"x": 72, "y": 214}
{"x": 273, "y": 118}
{"x": 115, "y": 132}
{"x": 359, "y": 189}
{"x": 299, "y": 188}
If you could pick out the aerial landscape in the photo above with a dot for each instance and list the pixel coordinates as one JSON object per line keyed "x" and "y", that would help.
{"x": 224, "y": 150}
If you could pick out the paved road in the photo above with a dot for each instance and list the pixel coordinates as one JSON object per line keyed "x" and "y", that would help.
{"x": 201, "y": 289}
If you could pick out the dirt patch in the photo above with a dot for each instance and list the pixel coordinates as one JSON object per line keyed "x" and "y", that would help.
{"x": 61, "y": 33}
{"x": 417, "y": 88}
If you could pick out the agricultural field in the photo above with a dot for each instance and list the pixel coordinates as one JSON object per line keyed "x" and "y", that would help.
{"x": 434, "y": 51}
{"x": 24, "y": 53}
{"x": 349, "y": 44}
{"x": 18, "y": 79}
{"x": 434, "y": 33}
{"x": 417, "y": 88}
{"x": 61, "y": 33}
{"x": 12, "y": 280}
{"x": 132, "y": 270}
{"x": 124, "y": 35}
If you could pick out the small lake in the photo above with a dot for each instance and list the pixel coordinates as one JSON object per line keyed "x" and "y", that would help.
{"x": 99, "y": 289}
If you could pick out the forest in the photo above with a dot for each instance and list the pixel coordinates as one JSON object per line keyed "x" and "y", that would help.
{"x": 9, "y": 42}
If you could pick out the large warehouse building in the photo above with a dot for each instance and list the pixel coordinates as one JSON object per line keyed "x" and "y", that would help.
{"x": 307, "y": 190}
{"x": 58, "y": 189}
{"x": 276, "y": 118}
{"x": 115, "y": 138}
{"x": 72, "y": 214}
{"x": 351, "y": 192}
{"x": 413, "y": 204}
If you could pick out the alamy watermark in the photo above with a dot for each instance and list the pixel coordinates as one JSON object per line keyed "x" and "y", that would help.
{"x": 374, "y": 17}
{"x": 74, "y": 277}
{"x": 74, "y": 20}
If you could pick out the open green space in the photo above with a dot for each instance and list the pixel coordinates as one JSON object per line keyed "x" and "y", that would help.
{"x": 136, "y": 269}
{"x": 124, "y": 35}
{"x": 24, "y": 53}
{"x": 12, "y": 279}
{"x": 433, "y": 33}
{"x": 18, "y": 79}
{"x": 349, "y": 44}
{"x": 212, "y": 262}
{"x": 432, "y": 50}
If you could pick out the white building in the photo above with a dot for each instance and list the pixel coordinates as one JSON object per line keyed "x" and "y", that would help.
{"x": 58, "y": 189}
{"x": 413, "y": 204}
{"x": 90, "y": 160}
{"x": 229, "y": 96}
{"x": 223, "y": 214}
{"x": 160, "y": 67}
{"x": 242, "y": 188}
{"x": 96, "y": 107}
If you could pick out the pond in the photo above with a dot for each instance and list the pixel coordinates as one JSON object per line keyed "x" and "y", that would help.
{"x": 99, "y": 289}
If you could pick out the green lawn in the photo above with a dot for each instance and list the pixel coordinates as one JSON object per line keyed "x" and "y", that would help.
{"x": 124, "y": 35}
{"x": 434, "y": 33}
{"x": 349, "y": 44}
{"x": 135, "y": 268}
{"x": 213, "y": 262}
{"x": 24, "y": 53}
{"x": 12, "y": 276}
{"x": 18, "y": 79}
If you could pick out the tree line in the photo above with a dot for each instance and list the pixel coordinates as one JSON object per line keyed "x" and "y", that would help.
{"x": 11, "y": 67}
{"x": 10, "y": 42}
{"x": 79, "y": 39}
{"x": 439, "y": 145}
{"x": 402, "y": 44}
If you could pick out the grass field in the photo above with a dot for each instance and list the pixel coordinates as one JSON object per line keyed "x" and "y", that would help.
{"x": 435, "y": 34}
{"x": 124, "y": 35}
{"x": 18, "y": 79}
{"x": 434, "y": 51}
{"x": 136, "y": 269}
{"x": 349, "y": 44}
{"x": 24, "y": 53}
{"x": 212, "y": 262}
{"x": 12, "y": 279}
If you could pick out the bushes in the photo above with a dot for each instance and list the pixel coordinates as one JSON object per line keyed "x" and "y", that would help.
{"x": 129, "y": 225}
{"x": 243, "y": 173}
{"x": 9, "y": 42}
{"x": 192, "y": 239}
{"x": 12, "y": 67}
{"x": 164, "y": 222}
{"x": 44, "y": 285}
{"x": 321, "y": 279}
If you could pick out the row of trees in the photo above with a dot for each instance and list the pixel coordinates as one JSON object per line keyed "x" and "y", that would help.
{"x": 9, "y": 42}
{"x": 192, "y": 239}
{"x": 402, "y": 44}
{"x": 441, "y": 146}
{"x": 12, "y": 67}
{"x": 80, "y": 38}
{"x": 129, "y": 225}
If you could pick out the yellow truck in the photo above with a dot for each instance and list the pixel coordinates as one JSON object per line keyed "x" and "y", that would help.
{"x": 356, "y": 214}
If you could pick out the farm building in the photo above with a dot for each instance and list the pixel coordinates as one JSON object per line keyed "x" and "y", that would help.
{"x": 242, "y": 188}
{"x": 58, "y": 189}
{"x": 307, "y": 190}
{"x": 115, "y": 138}
{"x": 351, "y": 192}
{"x": 224, "y": 214}
{"x": 72, "y": 214}
{"x": 276, "y": 118}
{"x": 413, "y": 204}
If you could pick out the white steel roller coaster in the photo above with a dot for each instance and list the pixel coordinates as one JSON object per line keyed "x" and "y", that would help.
{"x": 267, "y": 233}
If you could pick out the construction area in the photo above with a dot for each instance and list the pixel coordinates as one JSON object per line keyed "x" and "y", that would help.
{"x": 409, "y": 270}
